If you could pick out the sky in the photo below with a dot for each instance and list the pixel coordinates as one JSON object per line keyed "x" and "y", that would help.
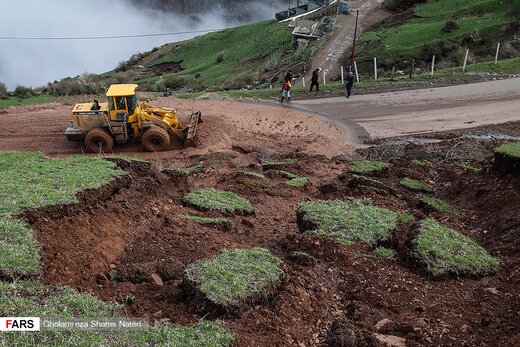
{"x": 35, "y": 62}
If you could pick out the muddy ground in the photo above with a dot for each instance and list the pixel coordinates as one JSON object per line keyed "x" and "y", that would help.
{"x": 118, "y": 235}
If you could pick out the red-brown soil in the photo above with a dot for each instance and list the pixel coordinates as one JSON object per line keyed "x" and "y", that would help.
{"x": 131, "y": 228}
{"x": 118, "y": 235}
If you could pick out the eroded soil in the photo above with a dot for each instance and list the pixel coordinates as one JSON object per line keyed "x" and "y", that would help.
{"x": 118, "y": 235}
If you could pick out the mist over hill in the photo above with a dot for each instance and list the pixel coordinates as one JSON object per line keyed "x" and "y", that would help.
{"x": 36, "y": 62}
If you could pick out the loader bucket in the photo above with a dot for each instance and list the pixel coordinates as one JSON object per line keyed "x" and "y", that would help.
{"x": 195, "y": 119}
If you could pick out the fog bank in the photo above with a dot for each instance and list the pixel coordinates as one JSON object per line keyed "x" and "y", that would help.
{"x": 36, "y": 62}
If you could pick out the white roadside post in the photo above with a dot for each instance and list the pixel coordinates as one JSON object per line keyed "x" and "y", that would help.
{"x": 324, "y": 77}
{"x": 433, "y": 64}
{"x": 375, "y": 68}
{"x": 496, "y": 55}
{"x": 342, "y": 76}
{"x": 355, "y": 68}
{"x": 303, "y": 80}
{"x": 465, "y": 60}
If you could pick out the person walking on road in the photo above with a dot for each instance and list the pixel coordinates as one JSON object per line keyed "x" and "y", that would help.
{"x": 349, "y": 84}
{"x": 286, "y": 91}
{"x": 315, "y": 80}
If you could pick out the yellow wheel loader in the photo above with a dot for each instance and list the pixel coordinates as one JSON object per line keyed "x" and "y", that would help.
{"x": 124, "y": 118}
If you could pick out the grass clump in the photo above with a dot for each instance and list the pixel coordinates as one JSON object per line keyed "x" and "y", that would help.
{"x": 235, "y": 276}
{"x": 367, "y": 166}
{"x": 438, "y": 204}
{"x": 406, "y": 217}
{"x": 383, "y": 252}
{"x": 418, "y": 162}
{"x": 411, "y": 184}
{"x": 273, "y": 164}
{"x": 30, "y": 298}
{"x": 511, "y": 149}
{"x": 218, "y": 223}
{"x": 348, "y": 221}
{"x": 30, "y": 180}
{"x": 287, "y": 174}
{"x": 252, "y": 173}
{"x": 298, "y": 181}
{"x": 205, "y": 333}
{"x": 219, "y": 200}
{"x": 470, "y": 168}
{"x": 444, "y": 251}
{"x": 189, "y": 170}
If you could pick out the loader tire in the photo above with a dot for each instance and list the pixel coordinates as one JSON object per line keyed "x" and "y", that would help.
{"x": 99, "y": 140}
{"x": 156, "y": 139}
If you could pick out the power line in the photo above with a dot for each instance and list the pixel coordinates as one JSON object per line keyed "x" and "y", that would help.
{"x": 110, "y": 37}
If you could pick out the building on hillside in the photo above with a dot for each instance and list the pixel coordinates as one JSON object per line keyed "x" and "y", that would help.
{"x": 301, "y": 7}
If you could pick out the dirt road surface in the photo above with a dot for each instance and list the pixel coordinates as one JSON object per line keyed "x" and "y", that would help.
{"x": 329, "y": 55}
{"x": 420, "y": 111}
{"x": 228, "y": 127}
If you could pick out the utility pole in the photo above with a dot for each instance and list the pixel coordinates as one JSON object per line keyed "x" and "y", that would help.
{"x": 353, "y": 57}
{"x": 289, "y": 10}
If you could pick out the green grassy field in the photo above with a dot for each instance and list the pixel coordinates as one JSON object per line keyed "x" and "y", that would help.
{"x": 421, "y": 36}
{"x": 30, "y": 180}
{"x": 34, "y": 100}
{"x": 244, "y": 50}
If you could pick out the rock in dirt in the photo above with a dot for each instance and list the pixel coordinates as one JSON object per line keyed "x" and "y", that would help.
{"x": 154, "y": 278}
{"x": 382, "y": 323}
{"x": 491, "y": 290}
{"x": 390, "y": 340}
{"x": 102, "y": 279}
{"x": 421, "y": 322}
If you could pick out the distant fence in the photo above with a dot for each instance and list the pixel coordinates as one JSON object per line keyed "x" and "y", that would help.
{"x": 411, "y": 67}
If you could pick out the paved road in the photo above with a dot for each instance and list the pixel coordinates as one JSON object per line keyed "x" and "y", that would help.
{"x": 420, "y": 111}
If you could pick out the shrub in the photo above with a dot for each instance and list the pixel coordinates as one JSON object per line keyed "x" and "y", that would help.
{"x": 122, "y": 66}
{"x": 450, "y": 26}
{"x": 3, "y": 91}
{"x": 174, "y": 82}
{"x": 22, "y": 92}
{"x": 220, "y": 58}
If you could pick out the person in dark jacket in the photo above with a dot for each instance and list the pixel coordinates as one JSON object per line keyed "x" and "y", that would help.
{"x": 349, "y": 83}
{"x": 315, "y": 80}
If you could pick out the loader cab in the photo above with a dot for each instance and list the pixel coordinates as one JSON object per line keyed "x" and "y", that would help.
{"x": 122, "y": 101}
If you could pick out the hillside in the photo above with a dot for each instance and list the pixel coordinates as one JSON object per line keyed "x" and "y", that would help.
{"x": 444, "y": 28}
{"x": 231, "y": 58}
{"x": 257, "y": 54}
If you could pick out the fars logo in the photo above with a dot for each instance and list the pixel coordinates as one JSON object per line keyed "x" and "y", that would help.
{"x": 19, "y": 324}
